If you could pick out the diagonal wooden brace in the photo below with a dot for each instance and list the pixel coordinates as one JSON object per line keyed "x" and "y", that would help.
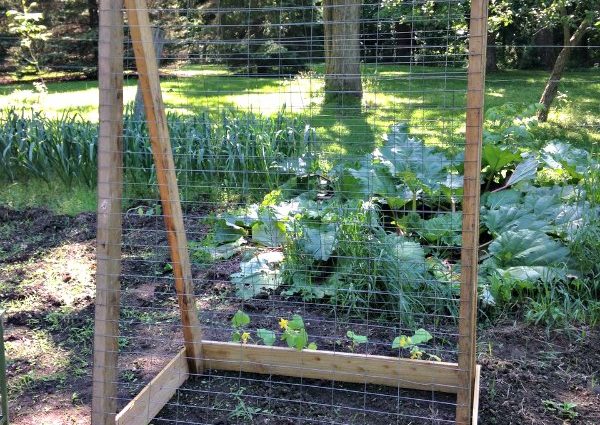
{"x": 145, "y": 57}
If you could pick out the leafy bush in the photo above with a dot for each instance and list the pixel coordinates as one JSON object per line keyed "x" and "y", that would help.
{"x": 382, "y": 233}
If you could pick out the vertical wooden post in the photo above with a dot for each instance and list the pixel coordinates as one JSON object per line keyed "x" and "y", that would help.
{"x": 110, "y": 192}
{"x": 143, "y": 47}
{"x": 467, "y": 328}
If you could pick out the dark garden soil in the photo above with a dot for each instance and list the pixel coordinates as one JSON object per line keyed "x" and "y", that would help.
{"x": 47, "y": 272}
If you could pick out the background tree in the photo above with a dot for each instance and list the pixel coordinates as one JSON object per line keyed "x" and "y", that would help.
{"x": 576, "y": 18}
{"x": 341, "y": 26}
{"x": 26, "y": 24}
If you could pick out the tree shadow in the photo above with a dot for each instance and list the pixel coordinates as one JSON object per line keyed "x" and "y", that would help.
{"x": 344, "y": 129}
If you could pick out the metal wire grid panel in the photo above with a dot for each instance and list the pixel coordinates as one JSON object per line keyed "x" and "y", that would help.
{"x": 297, "y": 207}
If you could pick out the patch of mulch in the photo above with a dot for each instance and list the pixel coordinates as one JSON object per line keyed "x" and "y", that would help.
{"x": 527, "y": 371}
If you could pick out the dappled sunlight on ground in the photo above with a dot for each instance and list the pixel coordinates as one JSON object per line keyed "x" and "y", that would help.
{"x": 55, "y": 412}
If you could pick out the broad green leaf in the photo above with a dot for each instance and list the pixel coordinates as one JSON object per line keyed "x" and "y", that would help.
{"x": 258, "y": 274}
{"x": 319, "y": 241}
{"x": 240, "y": 319}
{"x": 562, "y": 156}
{"x": 402, "y": 154}
{"x": 199, "y": 253}
{"x": 526, "y": 170}
{"x": 267, "y": 336}
{"x": 406, "y": 259}
{"x": 312, "y": 346}
{"x": 534, "y": 273}
{"x": 403, "y": 196}
{"x": 366, "y": 181}
{"x": 243, "y": 217}
{"x": 270, "y": 233}
{"x": 421, "y": 336}
{"x": 506, "y": 197}
{"x": 497, "y": 158}
{"x": 453, "y": 181}
{"x": 296, "y": 323}
{"x": 401, "y": 341}
{"x": 507, "y": 218}
{"x": 528, "y": 248}
{"x": 357, "y": 339}
{"x": 296, "y": 339}
{"x": 444, "y": 229}
{"x": 226, "y": 232}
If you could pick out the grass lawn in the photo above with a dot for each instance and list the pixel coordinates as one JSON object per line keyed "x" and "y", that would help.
{"x": 430, "y": 99}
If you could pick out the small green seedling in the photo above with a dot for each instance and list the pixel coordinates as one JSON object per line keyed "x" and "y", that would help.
{"x": 239, "y": 321}
{"x": 150, "y": 211}
{"x": 295, "y": 334}
{"x": 355, "y": 340}
{"x": 566, "y": 410}
{"x": 421, "y": 336}
{"x": 243, "y": 410}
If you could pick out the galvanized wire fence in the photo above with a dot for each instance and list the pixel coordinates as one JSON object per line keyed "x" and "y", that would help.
{"x": 319, "y": 151}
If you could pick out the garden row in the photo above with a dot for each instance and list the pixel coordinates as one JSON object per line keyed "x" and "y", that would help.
{"x": 379, "y": 232}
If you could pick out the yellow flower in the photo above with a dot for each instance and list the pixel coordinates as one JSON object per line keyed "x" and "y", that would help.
{"x": 245, "y": 337}
{"x": 283, "y": 323}
{"x": 404, "y": 341}
{"x": 416, "y": 354}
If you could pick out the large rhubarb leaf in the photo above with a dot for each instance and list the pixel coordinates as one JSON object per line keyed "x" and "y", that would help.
{"x": 528, "y": 248}
{"x": 444, "y": 229}
{"x": 319, "y": 240}
{"x": 258, "y": 274}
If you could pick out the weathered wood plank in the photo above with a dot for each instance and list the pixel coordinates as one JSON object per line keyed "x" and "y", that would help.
{"x": 318, "y": 364}
{"x": 153, "y": 397}
{"x": 343, "y": 367}
{"x": 141, "y": 36}
{"x": 467, "y": 343}
{"x": 110, "y": 192}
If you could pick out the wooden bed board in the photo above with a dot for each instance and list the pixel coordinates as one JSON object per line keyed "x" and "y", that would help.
{"x": 308, "y": 364}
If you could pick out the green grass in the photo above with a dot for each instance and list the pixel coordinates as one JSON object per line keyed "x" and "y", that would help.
{"x": 55, "y": 196}
{"x": 431, "y": 100}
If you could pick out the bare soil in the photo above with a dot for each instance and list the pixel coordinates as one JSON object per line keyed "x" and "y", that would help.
{"x": 47, "y": 272}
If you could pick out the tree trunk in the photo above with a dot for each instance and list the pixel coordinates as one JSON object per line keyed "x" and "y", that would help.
{"x": 341, "y": 19}
{"x": 544, "y": 42}
{"x": 551, "y": 88}
{"x": 92, "y": 6}
{"x": 491, "y": 61}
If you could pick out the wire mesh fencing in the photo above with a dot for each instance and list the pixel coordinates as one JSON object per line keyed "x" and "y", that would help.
{"x": 319, "y": 152}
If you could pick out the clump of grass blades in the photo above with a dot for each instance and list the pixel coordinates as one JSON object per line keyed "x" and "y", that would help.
{"x": 239, "y": 151}
{"x": 34, "y": 146}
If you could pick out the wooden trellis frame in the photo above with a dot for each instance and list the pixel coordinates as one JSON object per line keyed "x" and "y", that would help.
{"x": 460, "y": 378}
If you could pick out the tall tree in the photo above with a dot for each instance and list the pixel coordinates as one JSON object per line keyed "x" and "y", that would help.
{"x": 581, "y": 16}
{"x": 92, "y": 6}
{"x": 341, "y": 22}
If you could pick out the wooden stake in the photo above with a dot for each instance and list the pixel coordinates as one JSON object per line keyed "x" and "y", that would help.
{"x": 467, "y": 328}
{"x": 110, "y": 192}
{"x": 143, "y": 47}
